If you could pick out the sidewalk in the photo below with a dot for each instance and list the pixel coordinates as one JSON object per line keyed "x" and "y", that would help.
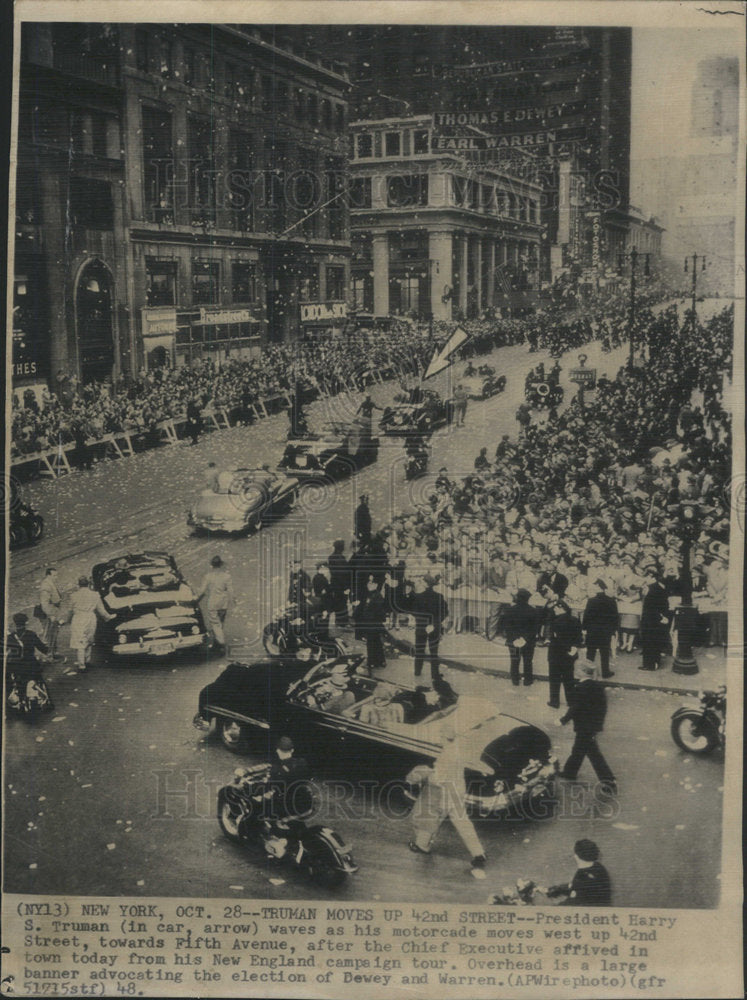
{"x": 471, "y": 652}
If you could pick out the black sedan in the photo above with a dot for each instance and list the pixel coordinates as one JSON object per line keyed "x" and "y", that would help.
{"x": 422, "y": 417}
{"x": 340, "y": 451}
{"x": 155, "y": 610}
{"x": 335, "y": 712}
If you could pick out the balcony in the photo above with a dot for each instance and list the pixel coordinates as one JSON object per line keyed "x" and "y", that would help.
{"x": 87, "y": 68}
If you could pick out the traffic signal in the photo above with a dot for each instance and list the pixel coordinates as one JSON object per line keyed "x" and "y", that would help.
{"x": 690, "y": 520}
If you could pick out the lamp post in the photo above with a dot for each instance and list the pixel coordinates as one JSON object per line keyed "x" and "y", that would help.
{"x": 695, "y": 258}
{"x": 686, "y": 616}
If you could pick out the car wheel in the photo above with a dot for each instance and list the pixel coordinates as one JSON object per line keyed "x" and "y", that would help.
{"x": 233, "y": 735}
{"x": 322, "y": 866}
{"x": 275, "y": 642}
{"x": 36, "y": 528}
{"x": 17, "y": 535}
{"x": 229, "y": 815}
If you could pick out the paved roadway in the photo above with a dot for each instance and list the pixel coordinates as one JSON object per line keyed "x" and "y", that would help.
{"x": 89, "y": 816}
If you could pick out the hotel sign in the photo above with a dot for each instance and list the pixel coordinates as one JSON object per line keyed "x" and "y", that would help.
{"x": 315, "y": 312}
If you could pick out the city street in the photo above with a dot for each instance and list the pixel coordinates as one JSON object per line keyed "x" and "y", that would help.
{"x": 109, "y": 809}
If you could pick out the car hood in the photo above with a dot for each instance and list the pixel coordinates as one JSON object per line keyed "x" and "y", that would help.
{"x": 226, "y": 506}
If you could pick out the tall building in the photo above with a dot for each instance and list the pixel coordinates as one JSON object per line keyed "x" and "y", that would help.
{"x": 180, "y": 195}
{"x": 432, "y": 239}
{"x": 551, "y": 105}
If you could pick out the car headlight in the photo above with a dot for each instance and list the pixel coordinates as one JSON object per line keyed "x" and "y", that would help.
{"x": 122, "y": 637}
{"x": 195, "y": 629}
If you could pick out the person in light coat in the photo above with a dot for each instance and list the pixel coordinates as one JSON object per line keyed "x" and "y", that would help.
{"x": 86, "y": 607}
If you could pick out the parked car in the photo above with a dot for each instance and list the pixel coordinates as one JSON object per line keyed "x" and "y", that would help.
{"x": 340, "y": 451}
{"x": 338, "y": 713}
{"x": 242, "y": 500}
{"x": 423, "y": 417}
{"x": 155, "y": 610}
{"x": 26, "y": 525}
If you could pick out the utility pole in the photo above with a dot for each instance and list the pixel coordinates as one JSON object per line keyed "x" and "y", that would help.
{"x": 695, "y": 258}
{"x": 634, "y": 255}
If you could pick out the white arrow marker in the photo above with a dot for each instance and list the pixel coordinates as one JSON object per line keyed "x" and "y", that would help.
{"x": 441, "y": 359}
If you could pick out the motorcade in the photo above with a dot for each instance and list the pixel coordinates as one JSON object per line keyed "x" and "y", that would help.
{"x": 422, "y": 417}
{"x": 242, "y": 500}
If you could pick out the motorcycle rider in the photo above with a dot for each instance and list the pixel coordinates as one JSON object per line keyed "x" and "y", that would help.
{"x": 283, "y": 798}
{"x": 591, "y": 884}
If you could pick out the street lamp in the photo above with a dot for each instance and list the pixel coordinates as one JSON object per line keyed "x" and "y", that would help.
{"x": 686, "y": 616}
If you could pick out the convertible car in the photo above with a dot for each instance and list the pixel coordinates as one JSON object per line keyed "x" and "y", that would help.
{"x": 155, "y": 610}
{"x": 482, "y": 382}
{"x": 335, "y": 712}
{"x": 340, "y": 451}
{"x": 424, "y": 417}
{"x": 241, "y": 500}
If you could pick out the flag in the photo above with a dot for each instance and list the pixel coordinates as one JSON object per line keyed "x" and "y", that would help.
{"x": 503, "y": 279}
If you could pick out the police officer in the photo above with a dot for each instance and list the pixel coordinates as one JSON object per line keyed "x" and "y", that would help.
{"x": 565, "y": 639}
{"x": 520, "y": 628}
{"x": 430, "y": 610}
{"x": 601, "y": 621}
{"x": 591, "y": 884}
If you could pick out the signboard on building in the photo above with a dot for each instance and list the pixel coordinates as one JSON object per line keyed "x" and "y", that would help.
{"x": 319, "y": 312}
{"x": 217, "y": 317}
{"x": 542, "y": 137}
{"x": 596, "y": 238}
{"x": 157, "y": 322}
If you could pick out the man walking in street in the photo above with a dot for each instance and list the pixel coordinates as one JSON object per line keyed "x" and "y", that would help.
{"x": 50, "y": 600}
{"x": 520, "y": 627}
{"x": 587, "y": 711}
{"x": 429, "y": 610}
{"x": 565, "y": 639}
{"x": 217, "y": 588}
{"x": 362, "y": 523}
{"x": 461, "y": 398}
{"x": 601, "y": 621}
{"x": 442, "y": 797}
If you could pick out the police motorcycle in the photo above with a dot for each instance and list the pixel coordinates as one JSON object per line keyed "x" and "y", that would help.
{"x": 492, "y": 383}
{"x": 701, "y": 728}
{"x": 291, "y": 635}
{"x": 418, "y": 454}
{"x": 26, "y": 525}
{"x": 254, "y": 814}
{"x": 522, "y": 894}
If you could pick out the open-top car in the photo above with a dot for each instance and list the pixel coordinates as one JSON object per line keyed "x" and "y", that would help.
{"x": 336, "y": 712}
{"x": 155, "y": 610}
{"x": 341, "y": 450}
{"x": 482, "y": 382}
{"x": 422, "y": 417}
{"x": 241, "y": 499}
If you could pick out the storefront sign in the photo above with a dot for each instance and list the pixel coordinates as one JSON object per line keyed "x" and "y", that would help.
{"x": 220, "y": 316}
{"x": 586, "y": 377}
{"x": 315, "y": 312}
{"x": 158, "y": 321}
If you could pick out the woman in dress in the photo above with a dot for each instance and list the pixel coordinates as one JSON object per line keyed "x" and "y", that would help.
{"x": 630, "y": 603}
{"x": 85, "y": 605}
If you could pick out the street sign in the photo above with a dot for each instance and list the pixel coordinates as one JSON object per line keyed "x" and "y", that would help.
{"x": 586, "y": 377}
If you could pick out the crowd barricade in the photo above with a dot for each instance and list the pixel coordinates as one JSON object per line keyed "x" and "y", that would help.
{"x": 49, "y": 461}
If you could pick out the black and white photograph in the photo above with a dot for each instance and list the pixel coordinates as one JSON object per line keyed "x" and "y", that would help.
{"x": 374, "y": 498}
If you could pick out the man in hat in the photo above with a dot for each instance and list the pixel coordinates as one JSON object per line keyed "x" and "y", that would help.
{"x": 654, "y": 619}
{"x": 370, "y": 614}
{"x": 591, "y": 884}
{"x": 587, "y": 711}
{"x": 299, "y": 587}
{"x": 430, "y": 611}
{"x": 600, "y": 622}
{"x": 26, "y": 690}
{"x": 362, "y": 522}
{"x": 520, "y": 628}
{"x": 50, "y": 600}
{"x": 217, "y": 587}
{"x": 565, "y": 639}
{"x": 339, "y": 583}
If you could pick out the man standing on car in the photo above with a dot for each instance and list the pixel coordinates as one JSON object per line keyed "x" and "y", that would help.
{"x": 217, "y": 587}
{"x": 601, "y": 621}
{"x": 520, "y": 627}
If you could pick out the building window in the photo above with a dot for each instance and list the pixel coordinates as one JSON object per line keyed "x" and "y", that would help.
{"x": 201, "y": 155}
{"x": 90, "y": 204}
{"x": 363, "y": 293}
{"x": 313, "y": 109}
{"x": 240, "y": 180}
{"x": 141, "y": 50}
{"x": 245, "y": 87}
{"x": 420, "y": 63}
{"x": 281, "y": 101}
{"x": 326, "y": 114}
{"x": 405, "y": 190}
{"x": 299, "y": 102}
{"x": 243, "y": 282}
{"x": 229, "y": 81}
{"x": 340, "y": 117}
{"x": 392, "y": 144}
{"x": 308, "y": 284}
{"x": 158, "y": 165}
{"x": 189, "y": 67}
{"x": 420, "y": 140}
{"x": 165, "y": 59}
{"x": 205, "y": 282}
{"x": 335, "y": 283}
{"x": 335, "y": 199}
{"x": 267, "y": 93}
{"x": 364, "y": 145}
{"x": 160, "y": 282}
{"x": 360, "y": 192}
